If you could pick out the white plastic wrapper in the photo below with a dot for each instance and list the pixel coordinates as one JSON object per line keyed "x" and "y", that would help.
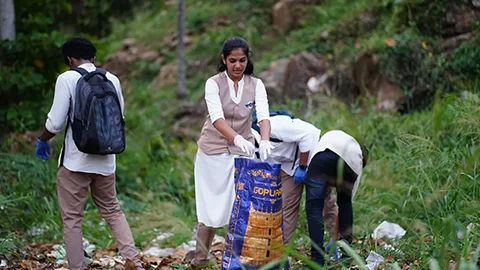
{"x": 374, "y": 259}
{"x": 388, "y": 230}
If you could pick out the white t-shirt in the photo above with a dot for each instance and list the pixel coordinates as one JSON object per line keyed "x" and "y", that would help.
{"x": 347, "y": 148}
{"x": 64, "y": 98}
{"x": 293, "y": 133}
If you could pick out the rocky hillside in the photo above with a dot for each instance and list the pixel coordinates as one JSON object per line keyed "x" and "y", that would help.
{"x": 369, "y": 67}
{"x": 396, "y": 53}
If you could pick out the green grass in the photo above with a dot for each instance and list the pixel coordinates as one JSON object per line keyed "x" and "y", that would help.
{"x": 423, "y": 175}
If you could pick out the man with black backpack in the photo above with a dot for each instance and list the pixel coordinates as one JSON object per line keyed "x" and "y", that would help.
{"x": 90, "y": 101}
{"x": 294, "y": 140}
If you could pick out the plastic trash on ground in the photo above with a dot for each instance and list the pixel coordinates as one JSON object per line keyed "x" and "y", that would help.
{"x": 374, "y": 259}
{"x": 159, "y": 252}
{"x": 89, "y": 248}
{"x": 388, "y": 230}
{"x": 59, "y": 253}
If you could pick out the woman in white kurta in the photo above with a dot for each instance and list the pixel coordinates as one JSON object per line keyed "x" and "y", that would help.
{"x": 231, "y": 96}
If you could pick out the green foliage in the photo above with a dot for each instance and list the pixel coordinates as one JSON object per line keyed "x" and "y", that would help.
{"x": 27, "y": 196}
{"x": 410, "y": 64}
{"x": 464, "y": 62}
{"x": 423, "y": 171}
{"x": 31, "y": 63}
{"x": 427, "y": 16}
{"x": 421, "y": 176}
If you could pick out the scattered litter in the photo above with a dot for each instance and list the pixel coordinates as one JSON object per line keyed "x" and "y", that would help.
{"x": 3, "y": 263}
{"x": 158, "y": 240}
{"x": 299, "y": 241}
{"x": 389, "y": 247}
{"x": 392, "y": 249}
{"x": 164, "y": 236}
{"x": 36, "y": 231}
{"x": 89, "y": 248}
{"x": 159, "y": 252}
{"x": 388, "y": 230}
{"x": 472, "y": 226}
{"x": 374, "y": 259}
{"x": 59, "y": 253}
{"x": 186, "y": 247}
{"x": 218, "y": 239}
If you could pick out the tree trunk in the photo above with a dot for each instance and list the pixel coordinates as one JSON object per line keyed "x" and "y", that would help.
{"x": 7, "y": 20}
{"x": 181, "y": 76}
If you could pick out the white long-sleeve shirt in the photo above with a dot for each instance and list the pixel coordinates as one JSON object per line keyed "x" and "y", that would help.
{"x": 293, "y": 133}
{"x": 347, "y": 148}
{"x": 64, "y": 98}
{"x": 214, "y": 104}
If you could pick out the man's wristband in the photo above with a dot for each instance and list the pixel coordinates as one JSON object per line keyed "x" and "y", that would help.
{"x": 303, "y": 167}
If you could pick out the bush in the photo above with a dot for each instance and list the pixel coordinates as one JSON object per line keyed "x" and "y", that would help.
{"x": 31, "y": 63}
{"x": 410, "y": 63}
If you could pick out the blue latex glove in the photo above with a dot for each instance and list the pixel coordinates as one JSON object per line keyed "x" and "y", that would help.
{"x": 299, "y": 175}
{"x": 336, "y": 255}
{"x": 42, "y": 150}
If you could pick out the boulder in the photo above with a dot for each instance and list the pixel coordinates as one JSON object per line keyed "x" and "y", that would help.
{"x": 337, "y": 83}
{"x": 299, "y": 70}
{"x": 274, "y": 77}
{"x": 371, "y": 82}
{"x": 282, "y": 16}
{"x": 287, "y": 78}
{"x": 459, "y": 18}
{"x": 286, "y": 14}
{"x": 454, "y": 42}
{"x": 347, "y": 82}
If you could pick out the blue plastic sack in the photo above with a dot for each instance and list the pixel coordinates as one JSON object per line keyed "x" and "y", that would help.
{"x": 255, "y": 233}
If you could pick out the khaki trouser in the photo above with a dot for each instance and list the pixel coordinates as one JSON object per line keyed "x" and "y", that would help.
{"x": 291, "y": 197}
{"x": 72, "y": 189}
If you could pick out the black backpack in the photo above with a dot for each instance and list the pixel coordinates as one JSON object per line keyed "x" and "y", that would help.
{"x": 256, "y": 127}
{"x": 98, "y": 126}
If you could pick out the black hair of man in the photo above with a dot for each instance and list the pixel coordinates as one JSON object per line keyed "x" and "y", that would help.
{"x": 78, "y": 48}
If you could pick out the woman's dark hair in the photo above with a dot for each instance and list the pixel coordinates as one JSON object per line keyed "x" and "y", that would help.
{"x": 234, "y": 43}
{"x": 78, "y": 48}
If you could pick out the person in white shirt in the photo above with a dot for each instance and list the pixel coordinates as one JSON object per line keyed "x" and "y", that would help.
{"x": 338, "y": 160}
{"x": 294, "y": 140}
{"x": 78, "y": 171}
{"x": 231, "y": 95}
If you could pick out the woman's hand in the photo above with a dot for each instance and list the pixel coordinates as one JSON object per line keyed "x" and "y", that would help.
{"x": 265, "y": 149}
{"x": 245, "y": 145}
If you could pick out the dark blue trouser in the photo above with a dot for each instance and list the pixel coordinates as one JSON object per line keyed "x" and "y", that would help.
{"x": 321, "y": 173}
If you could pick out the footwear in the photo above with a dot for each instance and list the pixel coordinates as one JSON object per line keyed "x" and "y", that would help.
{"x": 129, "y": 265}
{"x": 205, "y": 237}
{"x": 336, "y": 255}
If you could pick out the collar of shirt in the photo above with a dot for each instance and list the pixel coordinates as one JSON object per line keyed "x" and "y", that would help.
{"x": 88, "y": 66}
{"x": 236, "y": 96}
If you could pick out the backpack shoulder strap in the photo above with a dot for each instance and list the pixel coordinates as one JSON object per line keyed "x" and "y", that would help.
{"x": 82, "y": 71}
{"x": 102, "y": 71}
